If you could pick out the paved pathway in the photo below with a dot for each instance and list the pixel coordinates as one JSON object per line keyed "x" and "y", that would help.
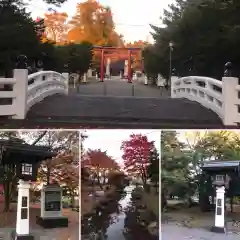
{"x": 117, "y": 108}
{"x": 43, "y": 234}
{"x": 173, "y": 232}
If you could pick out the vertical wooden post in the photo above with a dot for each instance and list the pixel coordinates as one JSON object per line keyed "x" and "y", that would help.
{"x": 129, "y": 67}
{"x": 102, "y": 66}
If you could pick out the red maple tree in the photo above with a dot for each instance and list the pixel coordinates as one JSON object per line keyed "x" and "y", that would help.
{"x": 136, "y": 153}
{"x": 99, "y": 163}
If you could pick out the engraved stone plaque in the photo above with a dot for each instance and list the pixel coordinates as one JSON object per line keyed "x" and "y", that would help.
{"x": 24, "y": 213}
{"x": 219, "y": 211}
{"x": 24, "y": 201}
{"x": 52, "y": 201}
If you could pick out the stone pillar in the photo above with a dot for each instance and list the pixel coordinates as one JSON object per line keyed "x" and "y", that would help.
{"x": 160, "y": 81}
{"x": 125, "y": 68}
{"x": 220, "y": 211}
{"x": 96, "y": 75}
{"x": 145, "y": 80}
{"x": 108, "y": 67}
{"x": 66, "y": 80}
{"x": 89, "y": 74}
{"x": 172, "y": 84}
{"x": 135, "y": 76}
{"x": 85, "y": 78}
{"x": 230, "y": 100}
{"x": 20, "y": 91}
{"x": 22, "y": 225}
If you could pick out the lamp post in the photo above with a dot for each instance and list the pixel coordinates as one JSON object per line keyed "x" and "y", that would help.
{"x": 170, "y": 61}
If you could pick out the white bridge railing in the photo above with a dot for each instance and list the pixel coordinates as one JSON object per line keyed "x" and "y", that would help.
{"x": 219, "y": 96}
{"x": 26, "y": 90}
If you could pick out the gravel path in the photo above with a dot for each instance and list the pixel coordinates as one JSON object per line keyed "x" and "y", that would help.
{"x": 173, "y": 232}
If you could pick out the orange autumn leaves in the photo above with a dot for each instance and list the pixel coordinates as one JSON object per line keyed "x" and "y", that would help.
{"x": 92, "y": 23}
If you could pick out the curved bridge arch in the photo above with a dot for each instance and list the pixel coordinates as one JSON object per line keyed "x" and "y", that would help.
{"x": 27, "y": 90}
{"x": 219, "y": 96}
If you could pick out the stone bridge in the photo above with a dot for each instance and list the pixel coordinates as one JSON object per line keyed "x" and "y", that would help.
{"x": 112, "y": 103}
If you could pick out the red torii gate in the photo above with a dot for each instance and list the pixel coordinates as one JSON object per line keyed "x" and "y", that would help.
{"x": 123, "y": 52}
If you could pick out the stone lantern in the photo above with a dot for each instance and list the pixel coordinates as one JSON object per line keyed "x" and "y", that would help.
{"x": 221, "y": 173}
{"x": 26, "y": 159}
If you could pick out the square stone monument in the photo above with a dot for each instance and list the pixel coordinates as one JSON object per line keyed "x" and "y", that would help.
{"x": 51, "y": 207}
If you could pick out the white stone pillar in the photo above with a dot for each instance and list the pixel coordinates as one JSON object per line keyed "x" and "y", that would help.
{"x": 22, "y": 225}
{"x": 66, "y": 79}
{"x": 230, "y": 100}
{"x": 173, "y": 80}
{"x": 220, "y": 211}
{"x": 160, "y": 81}
{"x": 108, "y": 67}
{"x": 20, "y": 91}
{"x": 145, "y": 80}
{"x": 90, "y": 72}
{"x": 85, "y": 78}
{"x": 96, "y": 75}
{"x": 125, "y": 68}
{"x": 135, "y": 76}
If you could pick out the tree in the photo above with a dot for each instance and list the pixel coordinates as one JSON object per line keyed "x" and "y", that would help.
{"x": 153, "y": 168}
{"x": 100, "y": 164}
{"x": 117, "y": 179}
{"x": 93, "y": 23}
{"x": 136, "y": 152}
{"x": 204, "y": 38}
{"x": 176, "y": 168}
{"x": 54, "y": 170}
{"x": 137, "y": 60}
{"x": 15, "y": 23}
{"x": 56, "y": 26}
{"x": 77, "y": 56}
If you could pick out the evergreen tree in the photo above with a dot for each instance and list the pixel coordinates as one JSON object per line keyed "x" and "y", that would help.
{"x": 153, "y": 168}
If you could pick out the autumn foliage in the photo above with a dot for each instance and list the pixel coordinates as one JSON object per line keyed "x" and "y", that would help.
{"x": 92, "y": 23}
{"x": 63, "y": 170}
{"x": 136, "y": 155}
{"x": 99, "y": 159}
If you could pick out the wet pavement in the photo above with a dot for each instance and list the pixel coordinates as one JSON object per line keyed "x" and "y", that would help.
{"x": 116, "y": 221}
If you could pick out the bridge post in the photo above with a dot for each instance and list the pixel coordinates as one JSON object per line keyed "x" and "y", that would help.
{"x": 20, "y": 91}
{"x": 66, "y": 76}
{"x": 230, "y": 100}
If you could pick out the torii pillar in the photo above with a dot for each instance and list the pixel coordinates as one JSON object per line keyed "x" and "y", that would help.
{"x": 129, "y": 67}
{"x": 102, "y": 66}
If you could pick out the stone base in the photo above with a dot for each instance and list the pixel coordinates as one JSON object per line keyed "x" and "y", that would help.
{"x": 15, "y": 236}
{"x": 218, "y": 229}
{"x": 52, "y": 222}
